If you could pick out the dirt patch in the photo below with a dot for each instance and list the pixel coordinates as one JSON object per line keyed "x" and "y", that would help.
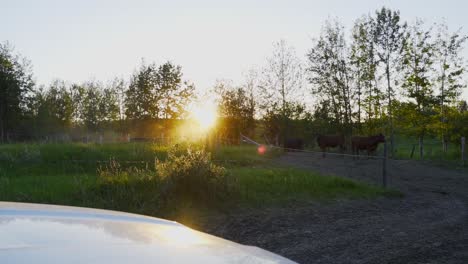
{"x": 428, "y": 225}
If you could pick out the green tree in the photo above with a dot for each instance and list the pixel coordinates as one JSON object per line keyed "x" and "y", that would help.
{"x": 457, "y": 126}
{"x": 109, "y": 105}
{"x": 16, "y": 86}
{"x": 142, "y": 95}
{"x": 158, "y": 92}
{"x": 329, "y": 73}
{"x": 323, "y": 120}
{"x": 299, "y": 121}
{"x": 175, "y": 93}
{"x": 417, "y": 62}
{"x": 236, "y": 112}
{"x": 281, "y": 81}
{"x": 462, "y": 106}
{"x": 251, "y": 87}
{"x": 389, "y": 33}
{"x": 118, "y": 88}
{"x": 55, "y": 109}
{"x": 450, "y": 68}
{"x": 99, "y": 106}
{"x": 91, "y": 106}
{"x": 364, "y": 64}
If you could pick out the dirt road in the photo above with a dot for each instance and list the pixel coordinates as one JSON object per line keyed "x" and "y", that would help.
{"x": 428, "y": 225}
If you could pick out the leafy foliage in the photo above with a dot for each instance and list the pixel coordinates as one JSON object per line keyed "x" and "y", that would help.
{"x": 189, "y": 175}
{"x": 15, "y": 90}
{"x": 236, "y": 112}
{"x": 158, "y": 92}
{"x": 282, "y": 82}
{"x": 329, "y": 73}
{"x": 417, "y": 62}
{"x": 364, "y": 65}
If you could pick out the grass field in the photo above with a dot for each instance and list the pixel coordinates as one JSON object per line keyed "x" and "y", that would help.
{"x": 69, "y": 174}
{"x": 432, "y": 149}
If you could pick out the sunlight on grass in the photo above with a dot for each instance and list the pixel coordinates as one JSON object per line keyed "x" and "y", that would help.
{"x": 67, "y": 174}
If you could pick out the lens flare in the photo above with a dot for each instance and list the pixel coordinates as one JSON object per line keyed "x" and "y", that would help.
{"x": 204, "y": 115}
{"x": 261, "y": 149}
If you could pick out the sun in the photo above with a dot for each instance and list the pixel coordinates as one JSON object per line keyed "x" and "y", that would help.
{"x": 205, "y": 115}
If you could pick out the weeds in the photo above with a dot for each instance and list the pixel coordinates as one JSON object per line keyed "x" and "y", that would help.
{"x": 184, "y": 177}
{"x": 189, "y": 175}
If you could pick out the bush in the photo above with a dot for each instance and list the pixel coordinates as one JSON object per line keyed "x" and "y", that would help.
{"x": 186, "y": 178}
{"x": 127, "y": 189}
{"x": 113, "y": 172}
{"x": 189, "y": 176}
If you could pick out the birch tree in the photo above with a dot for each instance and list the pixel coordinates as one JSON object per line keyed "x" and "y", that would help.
{"x": 364, "y": 68}
{"x": 389, "y": 32}
{"x": 450, "y": 68}
{"x": 418, "y": 51}
{"x": 281, "y": 80}
{"x": 329, "y": 73}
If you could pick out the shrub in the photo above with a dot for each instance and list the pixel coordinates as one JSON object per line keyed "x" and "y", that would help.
{"x": 113, "y": 172}
{"x": 189, "y": 175}
{"x": 186, "y": 177}
{"x": 129, "y": 189}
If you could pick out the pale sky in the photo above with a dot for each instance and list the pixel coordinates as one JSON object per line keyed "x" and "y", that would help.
{"x": 84, "y": 39}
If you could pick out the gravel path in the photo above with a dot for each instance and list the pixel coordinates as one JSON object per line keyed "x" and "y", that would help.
{"x": 428, "y": 225}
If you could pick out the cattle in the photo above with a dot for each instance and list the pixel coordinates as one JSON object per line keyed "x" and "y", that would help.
{"x": 294, "y": 143}
{"x": 327, "y": 141}
{"x": 369, "y": 144}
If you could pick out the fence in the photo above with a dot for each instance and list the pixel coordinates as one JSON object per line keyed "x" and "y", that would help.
{"x": 383, "y": 158}
{"x": 435, "y": 151}
{"x": 463, "y": 156}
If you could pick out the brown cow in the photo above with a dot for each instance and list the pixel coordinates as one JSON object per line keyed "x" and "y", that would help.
{"x": 326, "y": 141}
{"x": 366, "y": 143}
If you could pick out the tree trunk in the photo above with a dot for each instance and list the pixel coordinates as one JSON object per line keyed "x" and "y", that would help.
{"x": 283, "y": 95}
{"x": 444, "y": 144}
{"x": 442, "y": 113}
{"x": 359, "y": 108}
{"x": 463, "y": 142}
{"x": 2, "y": 131}
{"x": 390, "y": 113}
{"x": 421, "y": 148}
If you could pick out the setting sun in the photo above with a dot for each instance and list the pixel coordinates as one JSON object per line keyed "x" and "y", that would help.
{"x": 204, "y": 115}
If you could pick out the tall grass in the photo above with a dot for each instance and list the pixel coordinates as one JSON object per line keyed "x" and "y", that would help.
{"x": 432, "y": 150}
{"x": 274, "y": 185}
{"x": 80, "y": 152}
{"x": 143, "y": 178}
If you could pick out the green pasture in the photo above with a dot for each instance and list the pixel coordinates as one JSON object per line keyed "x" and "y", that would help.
{"x": 68, "y": 174}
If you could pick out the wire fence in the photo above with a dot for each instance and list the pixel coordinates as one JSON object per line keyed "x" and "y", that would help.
{"x": 332, "y": 165}
{"x": 248, "y": 140}
{"x": 362, "y": 167}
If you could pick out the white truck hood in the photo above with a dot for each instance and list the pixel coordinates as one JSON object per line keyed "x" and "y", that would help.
{"x": 33, "y": 233}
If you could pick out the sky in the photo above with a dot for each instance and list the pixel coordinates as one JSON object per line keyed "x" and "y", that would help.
{"x": 101, "y": 39}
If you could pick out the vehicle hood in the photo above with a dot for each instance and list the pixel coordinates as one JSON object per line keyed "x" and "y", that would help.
{"x": 33, "y": 233}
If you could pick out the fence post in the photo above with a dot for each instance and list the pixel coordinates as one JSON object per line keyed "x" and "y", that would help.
{"x": 444, "y": 144}
{"x": 384, "y": 166}
{"x": 463, "y": 143}
{"x": 421, "y": 148}
{"x": 412, "y": 151}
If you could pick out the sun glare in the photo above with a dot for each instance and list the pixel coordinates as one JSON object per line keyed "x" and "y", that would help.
{"x": 204, "y": 115}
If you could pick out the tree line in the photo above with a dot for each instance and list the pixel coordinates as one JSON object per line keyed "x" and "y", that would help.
{"x": 382, "y": 75}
